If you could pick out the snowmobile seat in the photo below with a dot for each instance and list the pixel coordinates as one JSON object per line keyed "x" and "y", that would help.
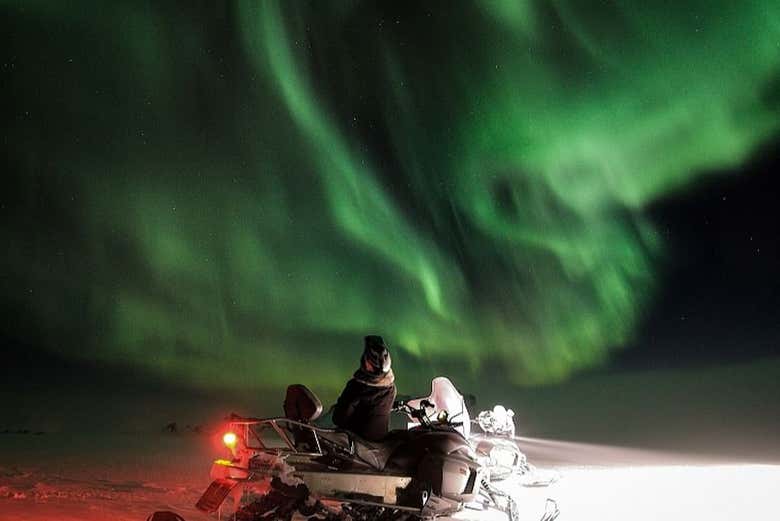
{"x": 372, "y": 453}
{"x": 375, "y": 453}
{"x": 335, "y": 441}
{"x": 302, "y": 405}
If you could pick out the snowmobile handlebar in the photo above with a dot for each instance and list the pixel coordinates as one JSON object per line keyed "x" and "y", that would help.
{"x": 420, "y": 414}
{"x": 403, "y": 405}
{"x": 416, "y": 414}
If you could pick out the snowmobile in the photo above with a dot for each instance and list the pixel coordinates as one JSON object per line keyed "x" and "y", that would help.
{"x": 427, "y": 471}
{"x": 492, "y": 436}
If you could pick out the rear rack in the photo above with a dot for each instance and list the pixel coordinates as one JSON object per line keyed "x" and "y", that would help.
{"x": 251, "y": 429}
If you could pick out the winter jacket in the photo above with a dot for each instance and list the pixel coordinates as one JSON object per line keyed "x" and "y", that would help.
{"x": 365, "y": 404}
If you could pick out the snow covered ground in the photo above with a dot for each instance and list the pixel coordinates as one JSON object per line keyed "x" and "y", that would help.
{"x": 722, "y": 422}
{"x": 95, "y": 477}
{"x": 602, "y": 483}
{"x": 124, "y": 477}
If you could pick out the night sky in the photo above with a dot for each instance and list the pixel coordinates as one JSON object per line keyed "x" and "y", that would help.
{"x": 232, "y": 196}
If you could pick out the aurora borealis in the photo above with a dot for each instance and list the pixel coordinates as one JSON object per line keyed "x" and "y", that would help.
{"x": 206, "y": 191}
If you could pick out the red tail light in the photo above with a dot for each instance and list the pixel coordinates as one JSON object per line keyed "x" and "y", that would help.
{"x": 230, "y": 439}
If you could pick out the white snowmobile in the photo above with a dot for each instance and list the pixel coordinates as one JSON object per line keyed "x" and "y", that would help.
{"x": 493, "y": 438}
{"x": 427, "y": 471}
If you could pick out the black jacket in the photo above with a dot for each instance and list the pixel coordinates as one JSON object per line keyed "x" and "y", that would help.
{"x": 364, "y": 408}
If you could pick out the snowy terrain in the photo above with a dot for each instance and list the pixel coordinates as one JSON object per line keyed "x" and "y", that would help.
{"x": 720, "y": 431}
{"x": 95, "y": 477}
{"x": 125, "y": 477}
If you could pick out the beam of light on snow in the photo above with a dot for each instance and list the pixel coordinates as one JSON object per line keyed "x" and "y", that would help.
{"x": 713, "y": 492}
{"x": 610, "y": 483}
{"x": 650, "y": 493}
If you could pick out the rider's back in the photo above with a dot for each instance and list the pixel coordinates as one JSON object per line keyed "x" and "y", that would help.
{"x": 364, "y": 409}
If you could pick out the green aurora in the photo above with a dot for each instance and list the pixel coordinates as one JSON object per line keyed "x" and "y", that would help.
{"x": 209, "y": 192}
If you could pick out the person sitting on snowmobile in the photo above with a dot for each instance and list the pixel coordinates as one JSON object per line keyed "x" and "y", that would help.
{"x": 365, "y": 403}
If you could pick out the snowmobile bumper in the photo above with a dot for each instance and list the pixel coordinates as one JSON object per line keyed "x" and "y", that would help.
{"x": 215, "y": 495}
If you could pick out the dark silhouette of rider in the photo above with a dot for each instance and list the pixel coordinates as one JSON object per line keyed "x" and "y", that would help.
{"x": 365, "y": 403}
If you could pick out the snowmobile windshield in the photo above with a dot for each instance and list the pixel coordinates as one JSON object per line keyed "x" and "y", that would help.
{"x": 445, "y": 397}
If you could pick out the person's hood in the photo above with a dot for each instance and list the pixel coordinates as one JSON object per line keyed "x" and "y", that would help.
{"x": 375, "y": 380}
